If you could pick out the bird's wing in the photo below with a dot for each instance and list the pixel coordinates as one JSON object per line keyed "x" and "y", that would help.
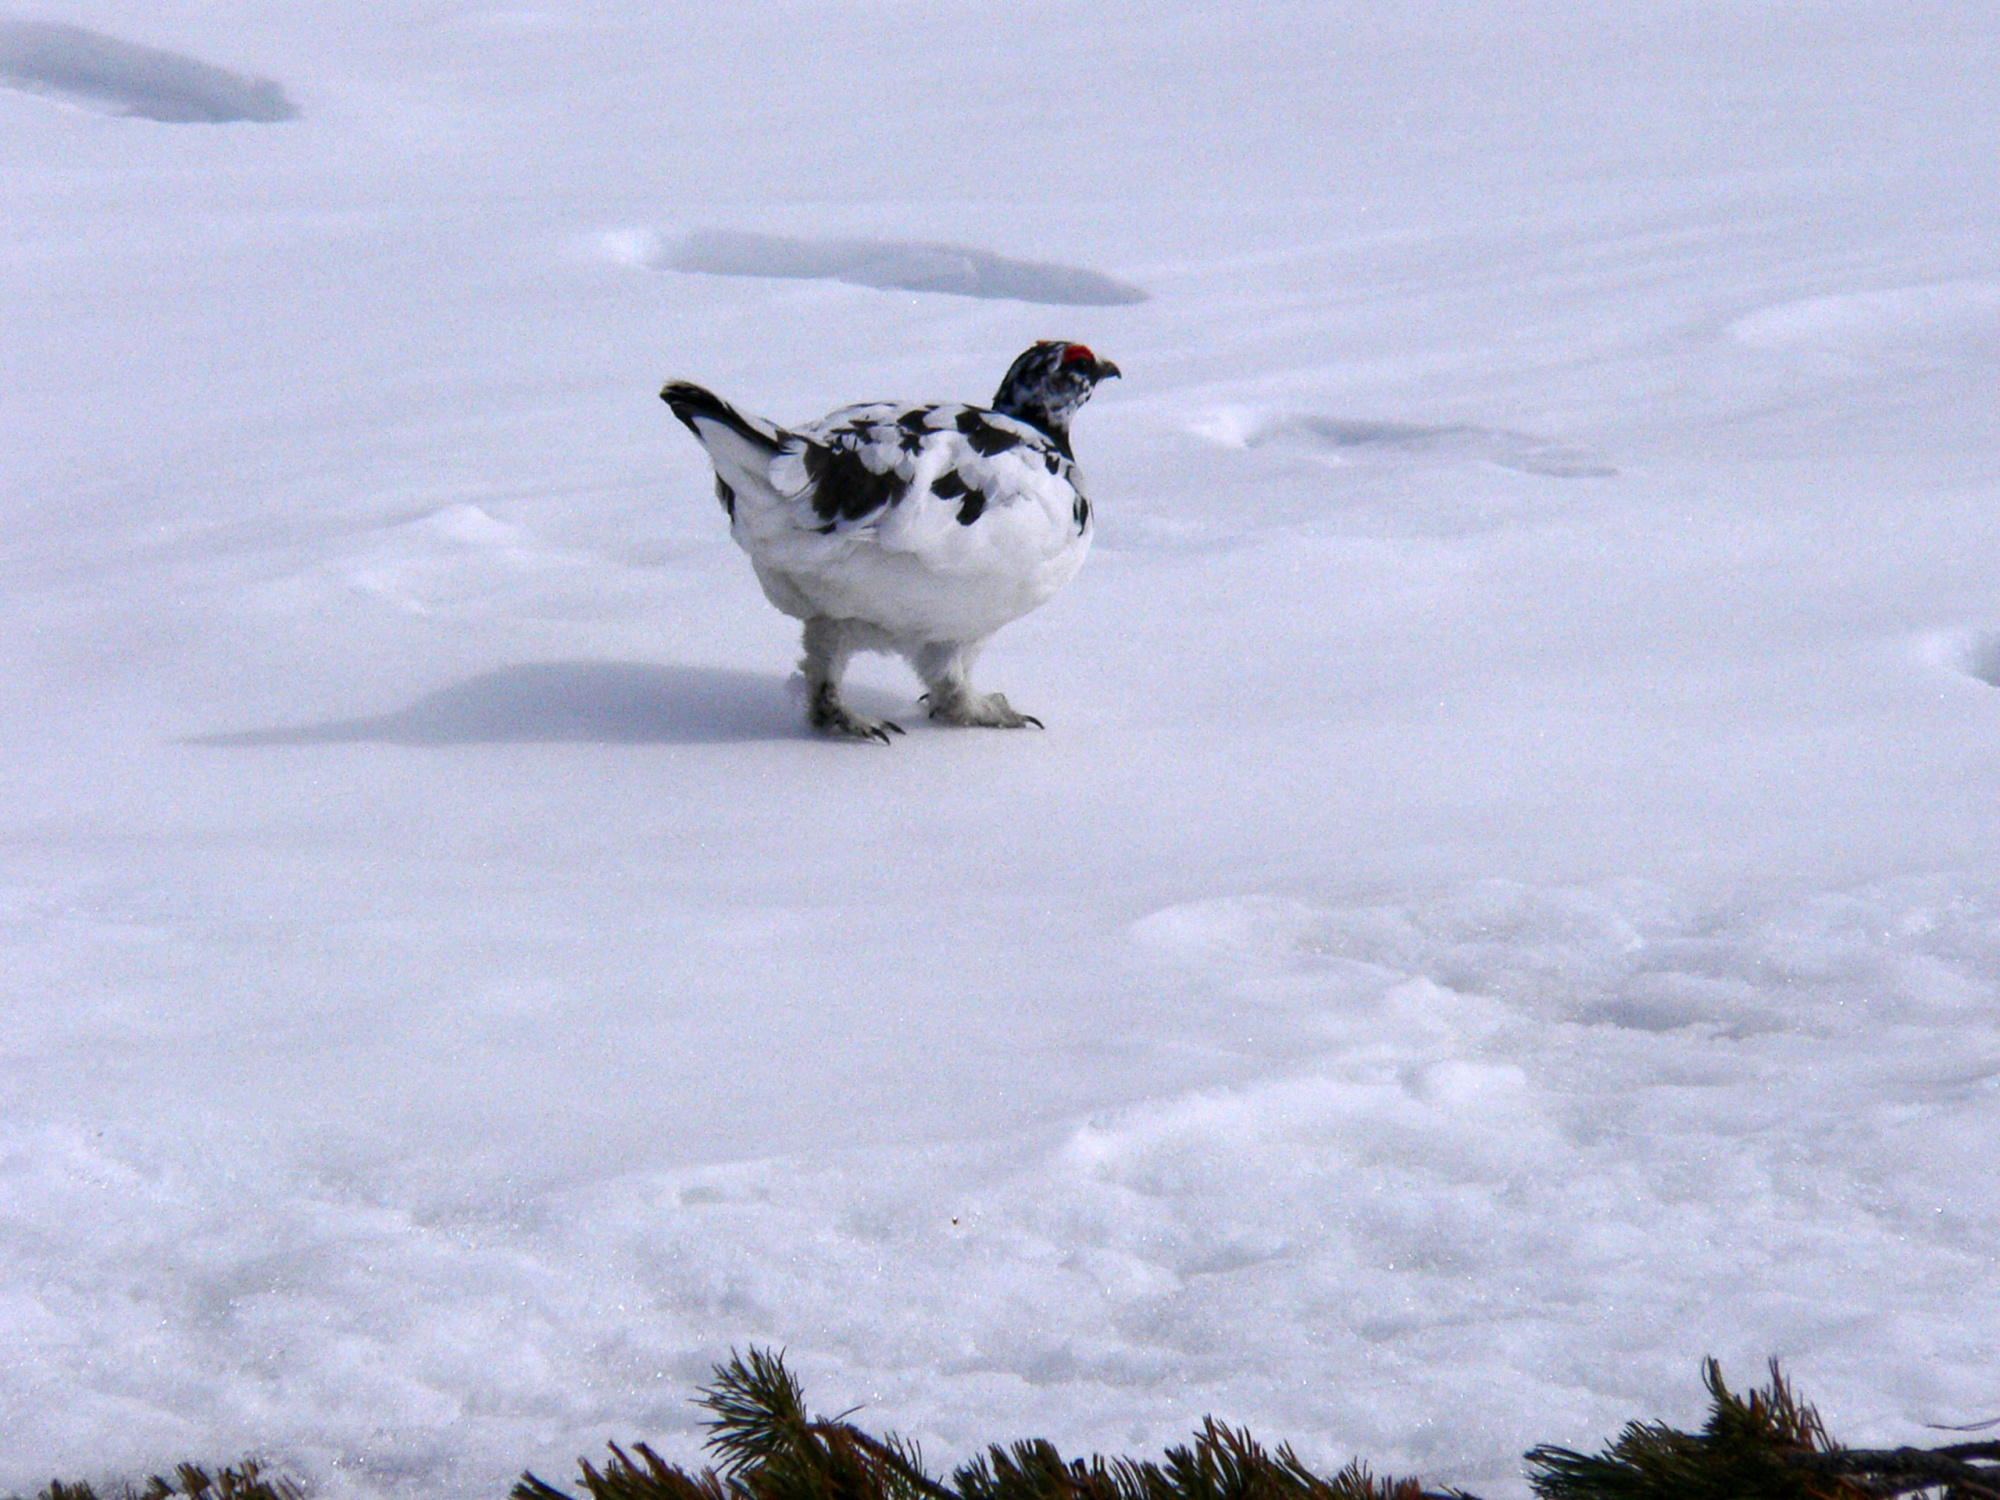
{"x": 902, "y": 474}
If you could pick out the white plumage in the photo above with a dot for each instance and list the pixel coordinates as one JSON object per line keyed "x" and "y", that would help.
{"x": 914, "y": 529}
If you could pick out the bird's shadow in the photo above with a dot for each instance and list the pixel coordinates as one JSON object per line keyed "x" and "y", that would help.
{"x": 566, "y": 702}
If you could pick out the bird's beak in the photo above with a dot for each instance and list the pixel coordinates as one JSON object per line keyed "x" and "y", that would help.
{"x": 1106, "y": 370}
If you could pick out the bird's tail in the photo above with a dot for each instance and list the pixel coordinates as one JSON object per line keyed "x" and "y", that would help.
{"x": 704, "y": 413}
{"x": 741, "y": 447}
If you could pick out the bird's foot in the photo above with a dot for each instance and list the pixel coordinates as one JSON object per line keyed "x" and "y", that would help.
{"x": 830, "y": 716}
{"x": 979, "y": 710}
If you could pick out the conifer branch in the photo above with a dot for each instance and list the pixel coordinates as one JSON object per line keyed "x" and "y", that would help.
{"x": 1765, "y": 1444}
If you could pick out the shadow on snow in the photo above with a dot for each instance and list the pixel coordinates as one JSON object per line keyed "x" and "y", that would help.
{"x": 570, "y": 702}
{"x": 900, "y": 265}
{"x": 52, "y": 58}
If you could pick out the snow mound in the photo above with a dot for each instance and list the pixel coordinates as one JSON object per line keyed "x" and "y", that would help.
{"x": 1982, "y": 659}
{"x": 1967, "y": 653}
{"x": 899, "y": 265}
{"x": 1349, "y": 440}
{"x": 1474, "y": 1194}
{"x": 147, "y": 82}
{"x": 1890, "y": 316}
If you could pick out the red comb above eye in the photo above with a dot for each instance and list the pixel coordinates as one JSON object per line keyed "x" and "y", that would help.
{"x": 1076, "y": 352}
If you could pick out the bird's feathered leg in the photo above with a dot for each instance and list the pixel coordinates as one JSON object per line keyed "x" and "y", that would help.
{"x": 946, "y": 668}
{"x": 828, "y": 644}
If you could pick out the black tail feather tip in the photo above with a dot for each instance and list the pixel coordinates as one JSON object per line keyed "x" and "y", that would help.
{"x": 689, "y": 401}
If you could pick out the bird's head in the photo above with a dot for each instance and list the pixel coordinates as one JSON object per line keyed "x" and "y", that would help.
{"x": 1046, "y": 385}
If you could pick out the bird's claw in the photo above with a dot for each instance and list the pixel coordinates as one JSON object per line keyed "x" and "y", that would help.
{"x": 973, "y": 711}
{"x": 855, "y": 728}
{"x": 833, "y": 718}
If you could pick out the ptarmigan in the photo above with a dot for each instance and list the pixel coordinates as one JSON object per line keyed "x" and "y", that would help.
{"x": 918, "y": 530}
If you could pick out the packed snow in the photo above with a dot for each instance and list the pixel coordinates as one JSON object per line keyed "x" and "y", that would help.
{"x": 1507, "y": 902}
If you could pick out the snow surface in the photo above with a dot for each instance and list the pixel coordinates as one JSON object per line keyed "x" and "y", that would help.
{"x": 1508, "y": 901}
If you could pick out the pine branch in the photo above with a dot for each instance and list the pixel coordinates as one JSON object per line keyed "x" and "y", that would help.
{"x": 759, "y": 1412}
{"x": 770, "y": 1449}
{"x": 1766, "y": 1446}
{"x": 1034, "y": 1470}
{"x": 1903, "y": 1471}
{"x": 244, "y": 1481}
{"x": 1223, "y": 1463}
{"x": 622, "y": 1479}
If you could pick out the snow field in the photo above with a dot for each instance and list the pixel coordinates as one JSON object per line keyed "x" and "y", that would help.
{"x": 1505, "y": 905}
{"x": 1595, "y": 1134}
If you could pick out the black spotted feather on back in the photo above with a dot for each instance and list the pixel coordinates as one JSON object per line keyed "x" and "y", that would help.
{"x": 952, "y": 485}
{"x": 983, "y": 437}
{"x": 863, "y": 462}
{"x": 844, "y": 487}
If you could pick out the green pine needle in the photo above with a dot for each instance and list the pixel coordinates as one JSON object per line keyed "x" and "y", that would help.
{"x": 246, "y": 1481}
{"x": 768, "y": 1448}
{"x": 1765, "y": 1444}
{"x": 1747, "y": 1450}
